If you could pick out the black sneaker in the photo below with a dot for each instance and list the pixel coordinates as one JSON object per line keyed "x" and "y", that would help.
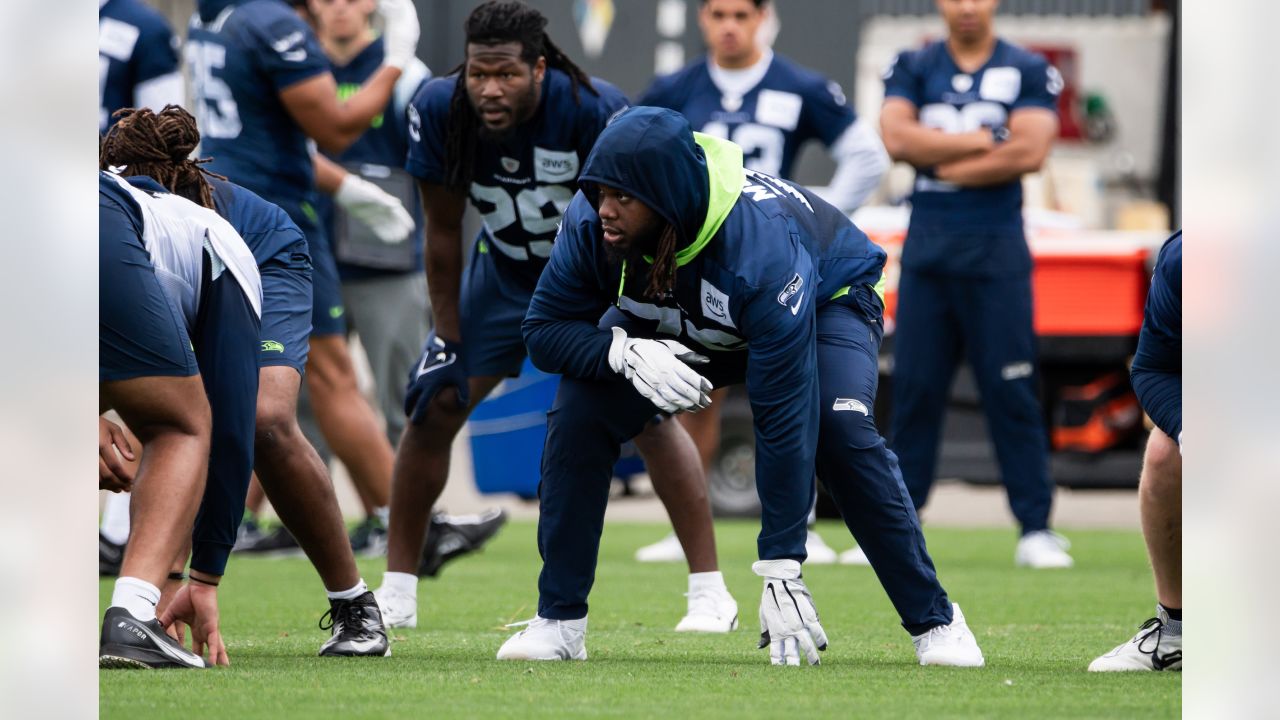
{"x": 128, "y": 642}
{"x": 249, "y": 534}
{"x": 357, "y": 628}
{"x": 369, "y": 538}
{"x": 110, "y": 555}
{"x": 452, "y": 536}
{"x": 276, "y": 542}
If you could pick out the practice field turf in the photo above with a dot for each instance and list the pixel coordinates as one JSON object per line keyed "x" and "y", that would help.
{"x": 1038, "y": 629}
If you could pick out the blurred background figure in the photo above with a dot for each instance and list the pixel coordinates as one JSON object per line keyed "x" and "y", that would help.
{"x": 384, "y": 287}
{"x": 973, "y": 114}
{"x": 770, "y": 106}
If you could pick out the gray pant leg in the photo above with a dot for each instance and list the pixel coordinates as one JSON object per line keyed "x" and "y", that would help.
{"x": 392, "y": 316}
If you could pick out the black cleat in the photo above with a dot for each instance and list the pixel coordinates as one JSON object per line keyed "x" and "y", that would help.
{"x": 276, "y": 542}
{"x": 357, "y": 628}
{"x": 369, "y": 538}
{"x": 452, "y": 536}
{"x": 130, "y": 643}
{"x": 110, "y": 555}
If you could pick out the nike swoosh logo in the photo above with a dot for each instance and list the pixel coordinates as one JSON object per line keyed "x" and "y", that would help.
{"x": 796, "y": 308}
{"x": 167, "y": 649}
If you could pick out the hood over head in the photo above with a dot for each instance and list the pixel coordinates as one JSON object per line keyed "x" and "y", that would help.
{"x": 689, "y": 179}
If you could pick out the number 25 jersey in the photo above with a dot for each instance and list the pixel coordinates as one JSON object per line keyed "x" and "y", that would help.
{"x": 522, "y": 182}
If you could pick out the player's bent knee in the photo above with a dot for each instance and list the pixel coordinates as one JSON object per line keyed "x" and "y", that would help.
{"x": 274, "y": 422}
{"x": 1162, "y": 461}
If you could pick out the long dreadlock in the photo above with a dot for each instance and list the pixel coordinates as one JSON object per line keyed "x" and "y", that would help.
{"x": 662, "y": 275}
{"x": 495, "y": 23}
{"x": 159, "y": 145}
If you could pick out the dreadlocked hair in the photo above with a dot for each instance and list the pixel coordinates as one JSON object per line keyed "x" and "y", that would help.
{"x": 494, "y": 23}
{"x": 159, "y": 146}
{"x": 662, "y": 275}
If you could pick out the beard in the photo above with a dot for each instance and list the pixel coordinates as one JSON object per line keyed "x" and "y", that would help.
{"x": 634, "y": 253}
{"x": 522, "y": 109}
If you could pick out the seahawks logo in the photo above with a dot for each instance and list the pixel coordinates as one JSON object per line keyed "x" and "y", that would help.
{"x": 791, "y": 289}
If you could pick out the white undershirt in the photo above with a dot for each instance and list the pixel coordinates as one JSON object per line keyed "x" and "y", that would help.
{"x": 737, "y": 82}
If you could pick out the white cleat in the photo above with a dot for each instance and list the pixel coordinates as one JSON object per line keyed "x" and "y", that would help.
{"x": 398, "y": 609}
{"x": 544, "y": 639}
{"x": 1043, "y": 549}
{"x": 952, "y": 644}
{"x": 854, "y": 556}
{"x": 1151, "y": 649}
{"x": 710, "y": 611}
{"x": 667, "y": 549}
{"x": 819, "y": 552}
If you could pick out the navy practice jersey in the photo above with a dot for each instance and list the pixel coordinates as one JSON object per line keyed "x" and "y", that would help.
{"x": 523, "y": 183}
{"x": 956, "y": 229}
{"x": 266, "y": 228}
{"x": 242, "y": 53}
{"x": 385, "y": 144}
{"x": 789, "y": 105}
{"x": 1157, "y": 364}
{"x": 135, "y": 46}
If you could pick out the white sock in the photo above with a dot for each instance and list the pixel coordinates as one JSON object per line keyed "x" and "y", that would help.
{"x": 401, "y": 583}
{"x": 383, "y": 514}
{"x": 139, "y": 597}
{"x": 350, "y": 594}
{"x": 706, "y": 581}
{"x": 115, "y": 518}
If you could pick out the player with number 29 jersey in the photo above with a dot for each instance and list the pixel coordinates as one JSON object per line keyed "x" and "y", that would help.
{"x": 522, "y": 182}
{"x": 954, "y": 101}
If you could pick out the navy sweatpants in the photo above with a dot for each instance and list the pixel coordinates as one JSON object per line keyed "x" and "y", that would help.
{"x": 590, "y": 419}
{"x": 989, "y": 320}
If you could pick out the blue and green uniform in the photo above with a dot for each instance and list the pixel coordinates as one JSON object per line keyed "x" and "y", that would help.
{"x": 779, "y": 289}
{"x": 965, "y": 287}
{"x": 521, "y": 186}
{"x": 136, "y": 51}
{"x": 242, "y": 54}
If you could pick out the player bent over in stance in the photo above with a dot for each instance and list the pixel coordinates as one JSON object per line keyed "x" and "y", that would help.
{"x": 752, "y": 278}
{"x": 155, "y": 146}
{"x": 1157, "y": 378}
{"x": 180, "y": 303}
{"x": 510, "y": 131}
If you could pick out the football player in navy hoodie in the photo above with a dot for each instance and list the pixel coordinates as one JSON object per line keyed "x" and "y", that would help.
{"x": 674, "y": 256}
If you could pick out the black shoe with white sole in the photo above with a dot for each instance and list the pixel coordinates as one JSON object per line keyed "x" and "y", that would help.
{"x": 357, "y": 628}
{"x": 451, "y": 536}
{"x": 128, "y": 642}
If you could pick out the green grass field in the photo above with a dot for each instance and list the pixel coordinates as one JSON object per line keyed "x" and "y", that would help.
{"x": 1038, "y": 631}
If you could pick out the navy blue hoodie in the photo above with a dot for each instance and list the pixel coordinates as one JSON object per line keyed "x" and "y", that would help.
{"x": 756, "y": 257}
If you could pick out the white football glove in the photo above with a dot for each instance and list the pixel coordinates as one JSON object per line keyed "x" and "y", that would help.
{"x": 400, "y": 32}
{"x": 374, "y": 207}
{"x": 658, "y": 371}
{"x": 788, "y": 618}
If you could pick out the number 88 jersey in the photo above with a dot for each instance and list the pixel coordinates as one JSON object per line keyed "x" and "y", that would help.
{"x": 955, "y": 101}
{"x": 523, "y": 182}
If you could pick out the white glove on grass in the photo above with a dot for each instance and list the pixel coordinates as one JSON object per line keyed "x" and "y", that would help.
{"x": 788, "y": 619}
